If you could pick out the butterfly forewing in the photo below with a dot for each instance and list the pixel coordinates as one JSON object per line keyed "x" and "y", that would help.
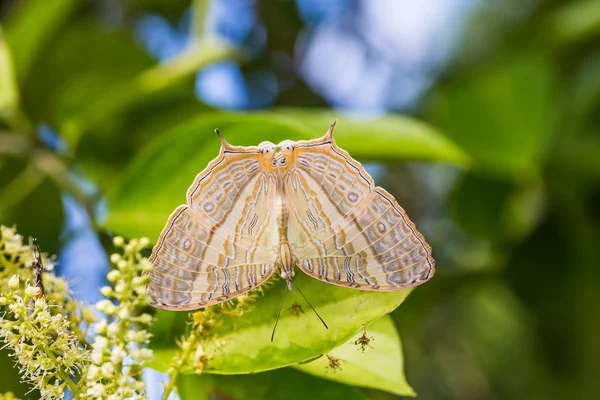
{"x": 220, "y": 244}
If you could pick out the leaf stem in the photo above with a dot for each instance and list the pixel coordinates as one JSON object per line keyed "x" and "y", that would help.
{"x": 189, "y": 345}
{"x": 63, "y": 375}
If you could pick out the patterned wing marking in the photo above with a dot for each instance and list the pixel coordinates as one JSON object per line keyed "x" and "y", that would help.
{"x": 221, "y": 243}
{"x": 364, "y": 238}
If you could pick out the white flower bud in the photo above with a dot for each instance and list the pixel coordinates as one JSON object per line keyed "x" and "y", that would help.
{"x": 123, "y": 313}
{"x": 113, "y": 329}
{"x": 13, "y": 283}
{"x": 114, "y": 258}
{"x": 120, "y": 287}
{"x": 106, "y": 291}
{"x": 100, "y": 327}
{"x": 106, "y": 306}
{"x": 117, "y": 355}
{"x": 142, "y": 336}
{"x": 100, "y": 342}
{"x": 108, "y": 370}
{"x": 145, "y": 319}
{"x": 97, "y": 356}
{"x": 3, "y": 301}
{"x": 113, "y": 275}
{"x": 130, "y": 337}
{"x": 144, "y": 242}
{"x": 147, "y": 265}
{"x": 29, "y": 291}
{"x": 93, "y": 373}
{"x": 96, "y": 391}
{"x": 145, "y": 355}
{"x": 122, "y": 264}
{"x": 118, "y": 241}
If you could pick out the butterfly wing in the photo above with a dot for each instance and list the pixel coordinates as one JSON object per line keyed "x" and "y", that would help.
{"x": 346, "y": 231}
{"x": 219, "y": 245}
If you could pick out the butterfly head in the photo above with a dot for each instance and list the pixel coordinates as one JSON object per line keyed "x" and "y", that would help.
{"x": 287, "y": 153}
{"x": 267, "y": 154}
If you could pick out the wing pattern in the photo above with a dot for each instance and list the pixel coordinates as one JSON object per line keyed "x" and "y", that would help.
{"x": 219, "y": 245}
{"x": 345, "y": 230}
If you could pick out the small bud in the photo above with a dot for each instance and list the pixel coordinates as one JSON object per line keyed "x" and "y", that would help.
{"x": 144, "y": 242}
{"x": 123, "y": 313}
{"x": 100, "y": 327}
{"x": 122, "y": 264}
{"x": 114, "y": 258}
{"x": 93, "y": 373}
{"x": 118, "y": 241}
{"x": 113, "y": 329}
{"x": 145, "y": 319}
{"x": 106, "y": 291}
{"x": 117, "y": 355}
{"x": 13, "y": 283}
{"x": 120, "y": 287}
{"x": 3, "y": 301}
{"x": 113, "y": 275}
{"x": 97, "y": 357}
{"x": 96, "y": 391}
{"x": 108, "y": 370}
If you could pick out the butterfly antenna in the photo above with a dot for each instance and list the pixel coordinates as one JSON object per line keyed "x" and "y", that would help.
{"x": 316, "y": 313}
{"x": 278, "y": 314}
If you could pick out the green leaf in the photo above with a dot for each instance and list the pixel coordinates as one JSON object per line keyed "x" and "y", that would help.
{"x": 9, "y": 93}
{"x": 379, "y": 366}
{"x": 283, "y": 384}
{"x": 243, "y": 345}
{"x": 157, "y": 180}
{"x": 502, "y": 115}
{"x": 31, "y": 27}
{"x": 383, "y": 138}
{"x": 573, "y": 21}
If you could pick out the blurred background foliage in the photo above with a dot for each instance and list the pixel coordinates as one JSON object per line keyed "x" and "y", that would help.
{"x": 107, "y": 110}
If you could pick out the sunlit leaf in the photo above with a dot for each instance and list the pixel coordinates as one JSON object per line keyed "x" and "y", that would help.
{"x": 157, "y": 180}
{"x": 382, "y": 138}
{"x": 283, "y": 384}
{"x": 243, "y": 344}
{"x": 9, "y": 94}
{"x": 379, "y": 366}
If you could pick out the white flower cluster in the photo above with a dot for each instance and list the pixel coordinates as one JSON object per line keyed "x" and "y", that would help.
{"x": 48, "y": 354}
{"x": 119, "y": 349}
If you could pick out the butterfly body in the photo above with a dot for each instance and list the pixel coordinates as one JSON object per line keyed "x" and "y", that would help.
{"x": 258, "y": 209}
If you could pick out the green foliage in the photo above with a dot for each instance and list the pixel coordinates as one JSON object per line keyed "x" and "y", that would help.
{"x": 176, "y": 157}
{"x": 376, "y": 363}
{"x": 498, "y": 166}
{"x": 242, "y": 345}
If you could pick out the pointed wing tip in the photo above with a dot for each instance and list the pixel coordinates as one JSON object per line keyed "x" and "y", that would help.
{"x": 223, "y": 141}
{"x": 329, "y": 134}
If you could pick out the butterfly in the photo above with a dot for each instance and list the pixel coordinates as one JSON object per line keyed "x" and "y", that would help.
{"x": 259, "y": 209}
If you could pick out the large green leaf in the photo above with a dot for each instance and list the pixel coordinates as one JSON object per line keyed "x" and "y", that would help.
{"x": 243, "y": 345}
{"x": 379, "y": 366}
{"x": 157, "y": 180}
{"x": 502, "y": 115}
{"x": 383, "y": 138}
{"x": 283, "y": 384}
{"x": 9, "y": 93}
{"x": 31, "y": 27}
